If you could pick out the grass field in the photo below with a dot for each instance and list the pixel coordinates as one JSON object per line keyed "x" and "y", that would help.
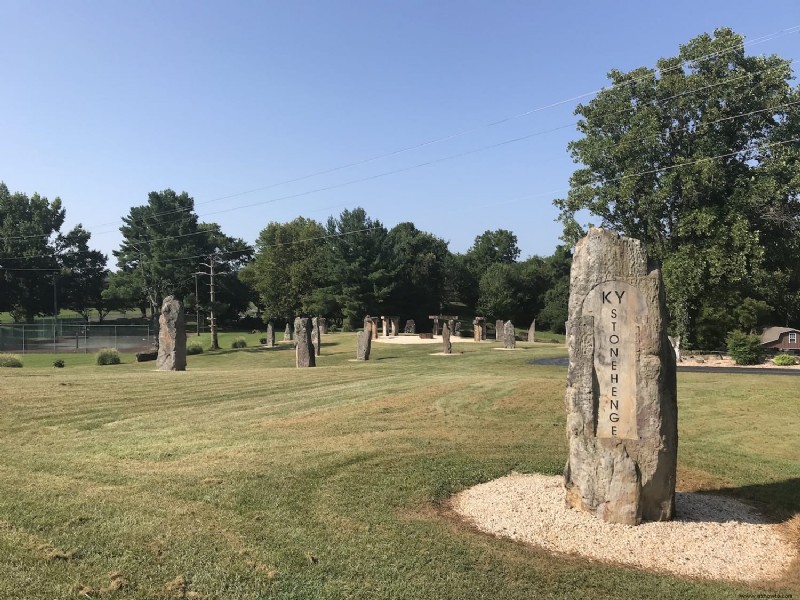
{"x": 245, "y": 478}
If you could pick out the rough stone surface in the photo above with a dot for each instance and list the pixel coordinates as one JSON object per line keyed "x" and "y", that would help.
{"x": 270, "y": 335}
{"x": 395, "y": 326}
{"x": 363, "y": 344}
{"x": 621, "y": 389}
{"x": 457, "y": 328}
{"x": 498, "y": 330}
{"x": 323, "y": 326}
{"x": 479, "y": 329}
{"x": 676, "y": 347}
{"x": 385, "y": 326}
{"x": 315, "y": 335}
{"x": 288, "y": 334}
{"x": 411, "y": 327}
{"x": 447, "y": 346}
{"x": 509, "y": 337}
{"x": 146, "y": 356}
{"x": 171, "y": 337}
{"x": 374, "y": 321}
{"x": 532, "y": 332}
{"x": 304, "y": 348}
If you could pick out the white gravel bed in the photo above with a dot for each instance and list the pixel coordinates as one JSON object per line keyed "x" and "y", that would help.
{"x": 712, "y": 536}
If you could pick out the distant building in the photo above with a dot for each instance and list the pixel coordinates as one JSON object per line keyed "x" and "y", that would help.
{"x": 781, "y": 339}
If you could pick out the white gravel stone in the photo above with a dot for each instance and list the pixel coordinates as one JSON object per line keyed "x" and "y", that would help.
{"x": 711, "y": 536}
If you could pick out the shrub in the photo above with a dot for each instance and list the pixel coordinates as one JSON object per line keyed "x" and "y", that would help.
{"x": 785, "y": 360}
{"x": 745, "y": 349}
{"x": 58, "y": 364}
{"x": 108, "y": 356}
{"x": 194, "y": 347}
{"x": 239, "y": 342}
{"x": 262, "y": 341}
{"x": 10, "y": 360}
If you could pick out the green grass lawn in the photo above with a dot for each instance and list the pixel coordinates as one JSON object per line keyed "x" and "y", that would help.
{"x": 245, "y": 477}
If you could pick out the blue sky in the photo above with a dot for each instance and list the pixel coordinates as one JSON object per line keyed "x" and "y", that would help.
{"x": 103, "y": 102}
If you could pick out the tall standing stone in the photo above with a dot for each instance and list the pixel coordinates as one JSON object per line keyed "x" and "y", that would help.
{"x": 532, "y": 331}
{"x": 363, "y": 344}
{"x": 447, "y": 346}
{"x": 288, "y": 334}
{"x": 498, "y": 330}
{"x": 304, "y": 348}
{"x": 479, "y": 329}
{"x": 171, "y": 336}
{"x": 622, "y": 415}
{"x": 509, "y": 337}
{"x": 374, "y": 327}
{"x": 410, "y": 327}
{"x": 323, "y": 326}
{"x": 395, "y": 326}
{"x": 315, "y": 335}
{"x": 270, "y": 335}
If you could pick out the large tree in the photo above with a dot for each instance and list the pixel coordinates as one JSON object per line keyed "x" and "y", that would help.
{"x": 358, "y": 267}
{"x": 288, "y": 268}
{"x": 41, "y": 267}
{"x": 679, "y": 157}
{"x": 164, "y": 247}
{"x": 417, "y": 264}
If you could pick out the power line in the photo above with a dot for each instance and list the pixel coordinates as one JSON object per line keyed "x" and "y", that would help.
{"x": 743, "y": 44}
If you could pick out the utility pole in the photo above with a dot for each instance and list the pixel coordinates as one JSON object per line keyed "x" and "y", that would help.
{"x": 212, "y": 318}
{"x": 197, "y": 302}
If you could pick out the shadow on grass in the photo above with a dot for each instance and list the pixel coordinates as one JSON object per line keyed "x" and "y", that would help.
{"x": 776, "y": 501}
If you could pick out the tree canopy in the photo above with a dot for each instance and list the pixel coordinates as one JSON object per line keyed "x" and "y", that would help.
{"x": 698, "y": 159}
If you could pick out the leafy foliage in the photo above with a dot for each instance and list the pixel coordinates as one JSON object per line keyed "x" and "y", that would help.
{"x": 10, "y": 360}
{"x": 785, "y": 360}
{"x": 693, "y": 159}
{"x": 194, "y": 347}
{"x": 108, "y": 356}
{"x": 745, "y": 348}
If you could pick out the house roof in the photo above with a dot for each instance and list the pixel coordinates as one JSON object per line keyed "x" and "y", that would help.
{"x": 773, "y": 334}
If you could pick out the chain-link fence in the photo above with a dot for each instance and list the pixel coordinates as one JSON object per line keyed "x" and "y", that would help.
{"x": 65, "y": 336}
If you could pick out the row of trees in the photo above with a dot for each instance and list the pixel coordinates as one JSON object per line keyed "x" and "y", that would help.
{"x": 353, "y": 266}
{"x": 344, "y": 269}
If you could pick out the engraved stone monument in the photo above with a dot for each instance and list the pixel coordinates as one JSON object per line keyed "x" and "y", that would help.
{"x": 621, "y": 389}
{"x": 171, "y": 337}
{"x": 304, "y": 348}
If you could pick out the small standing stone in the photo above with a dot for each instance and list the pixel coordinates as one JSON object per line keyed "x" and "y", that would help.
{"x": 509, "y": 337}
{"x": 395, "y": 326}
{"x": 270, "y": 335}
{"x": 385, "y": 326}
{"x": 622, "y": 413}
{"x": 288, "y": 334}
{"x": 498, "y": 330}
{"x": 532, "y": 332}
{"x": 447, "y": 347}
{"x": 315, "y": 335}
{"x": 323, "y": 326}
{"x": 411, "y": 327}
{"x": 304, "y": 349}
{"x": 363, "y": 344}
{"x": 171, "y": 337}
